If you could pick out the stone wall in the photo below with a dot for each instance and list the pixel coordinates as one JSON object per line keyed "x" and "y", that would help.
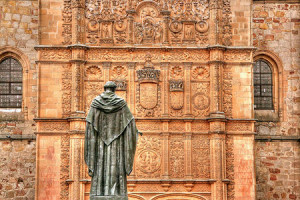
{"x": 275, "y": 28}
{"x": 18, "y": 36}
{"x": 277, "y": 170}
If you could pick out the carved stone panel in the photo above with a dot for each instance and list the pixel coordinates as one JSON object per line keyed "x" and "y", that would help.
{"x": 200, "y": 157}
{"x": 177, "y": 156}
{"x": 148, "y": 157}
{"x": 200, "y": 99}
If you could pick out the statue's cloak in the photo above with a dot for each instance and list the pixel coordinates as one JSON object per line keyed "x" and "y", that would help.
{"x": 110, "y": 144}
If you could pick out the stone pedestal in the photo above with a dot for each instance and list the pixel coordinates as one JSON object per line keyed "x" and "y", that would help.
{"x": 109, "y": 198}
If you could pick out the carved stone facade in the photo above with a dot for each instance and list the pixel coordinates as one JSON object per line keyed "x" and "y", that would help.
{"x": 186, "y": 70}
{"x": 173, "y": 63}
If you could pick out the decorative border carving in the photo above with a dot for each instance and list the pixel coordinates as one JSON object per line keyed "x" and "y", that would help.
{"x": 66, "y": 90}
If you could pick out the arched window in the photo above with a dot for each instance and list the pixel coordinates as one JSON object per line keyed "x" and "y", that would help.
{"x": 263, "y": 85}
{"x": 10, "y": 83}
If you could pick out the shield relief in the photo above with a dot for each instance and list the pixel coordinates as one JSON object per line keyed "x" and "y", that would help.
{"x": 176, "y": 94}
{"x": 148, "y": 94}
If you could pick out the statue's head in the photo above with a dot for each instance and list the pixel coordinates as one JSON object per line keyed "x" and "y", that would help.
{"x": 110, "y": 86}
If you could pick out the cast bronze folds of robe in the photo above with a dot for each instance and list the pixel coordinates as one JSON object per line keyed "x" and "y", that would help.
{"x": 110, "y": 143}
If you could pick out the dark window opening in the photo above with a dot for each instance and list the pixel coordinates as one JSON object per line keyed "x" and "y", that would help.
{"x": 10, "y": 83}
{"x": 263, "y": 88}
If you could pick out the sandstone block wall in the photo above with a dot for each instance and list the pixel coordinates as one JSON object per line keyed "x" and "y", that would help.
{"x": 275, "y": 28}
{"x": 18, "y": 36}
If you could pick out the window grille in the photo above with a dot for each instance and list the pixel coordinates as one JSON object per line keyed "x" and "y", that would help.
{"x": 10, "y": 83}
{"x": 263, "y": 88}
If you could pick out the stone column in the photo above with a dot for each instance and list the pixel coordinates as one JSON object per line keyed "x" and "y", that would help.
{"x": 166, "y": 17}
{"x": 217, "y": 125}
{"x": 188, "y": 149}
{"x": 130, "y": 14}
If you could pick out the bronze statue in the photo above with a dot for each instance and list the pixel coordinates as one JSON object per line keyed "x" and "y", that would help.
{"x": 110, "y": 143}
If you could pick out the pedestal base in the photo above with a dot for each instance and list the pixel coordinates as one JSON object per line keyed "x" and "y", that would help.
{"x": 108, "y": 198}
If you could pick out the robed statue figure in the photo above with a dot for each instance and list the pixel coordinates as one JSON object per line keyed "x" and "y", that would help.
{"x": 110, "y": 143}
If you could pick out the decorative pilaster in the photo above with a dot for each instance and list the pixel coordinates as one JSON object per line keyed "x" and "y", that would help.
{"x": 216, "y": 66}
{"x": 77, "y": 126}
{"x": 78, "y": 56}
{"x": 165, "y": 161}
{"x": 217, "y": 155}
{"x": 131, "y": 86}
{"x": 188, "y": 149}
{"x": 187, "y": 90}
{"x": 106, "y": 67}
{"x": 165, "y": 96}
{"x": 78, "y": 21}
{"x": 215, "y": 16}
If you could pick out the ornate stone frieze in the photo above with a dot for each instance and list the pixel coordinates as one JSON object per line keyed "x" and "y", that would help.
{"x": 55, "y": 54}
{"x": 200, "y": 126}
{"x": 124, "y": 55}
{"x": 54, "y": 126}
{"x": 146, "y": 22}
{"x": 238, "y": 55}
{"x": 239, "y": 127}
{"x": 151, "y": 126}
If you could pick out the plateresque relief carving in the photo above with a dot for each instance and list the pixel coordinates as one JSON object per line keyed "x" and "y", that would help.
{"x": 148, "y": 90}
{"x": 142, "y": 22}
{"x": 148, "y": 160}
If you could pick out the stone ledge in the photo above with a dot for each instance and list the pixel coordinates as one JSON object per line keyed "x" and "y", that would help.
{"x": 270, "y": 138}
{"x": 17, "y": 137}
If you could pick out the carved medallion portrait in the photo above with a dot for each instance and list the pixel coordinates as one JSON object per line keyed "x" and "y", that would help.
{"x": 200, "y": 101}
{"x": 175, "y": 26}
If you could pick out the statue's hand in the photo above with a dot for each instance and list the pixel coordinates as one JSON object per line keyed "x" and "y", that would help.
{"x": 91, "y": 173}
